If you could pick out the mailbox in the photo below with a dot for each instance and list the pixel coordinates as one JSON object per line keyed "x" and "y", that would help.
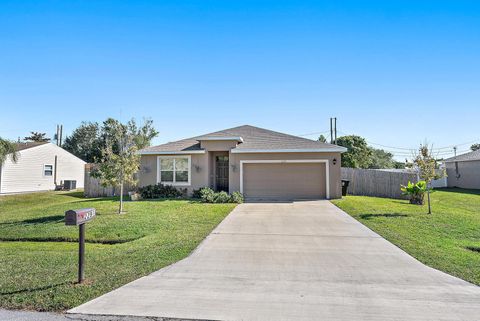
{"x": 78, "y": 217}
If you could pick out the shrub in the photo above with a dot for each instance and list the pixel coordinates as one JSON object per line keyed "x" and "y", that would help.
{"x": 161, "y": 191}
{"x": 196, "y": 193}
{"x": 168, "y": 191}
{"x": 207, "y": 195}
{"x": 416, "y": 191}
{"x": 236, "y": 197}
{"x": 221, "y": 197}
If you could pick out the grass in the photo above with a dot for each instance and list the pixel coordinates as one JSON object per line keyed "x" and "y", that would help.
{"x": 38, "y": 253}
{"x": 448, "y": 239}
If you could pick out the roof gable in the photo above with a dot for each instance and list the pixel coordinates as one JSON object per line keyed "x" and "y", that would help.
{"x": 255, "y": 139}
{"x": 472, "y": 156}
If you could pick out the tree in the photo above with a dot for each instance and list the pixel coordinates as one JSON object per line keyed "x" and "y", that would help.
{"x": 7, "y": 149}
{"x": 381, "y": 159}
{"x": 90, "y": 139}
{"x": 119, "y": 160}
{"x": 475, "y": 147}
{"x": 322, "y": 139}
{"x": 399, "y": 165}
{"x": 358, "y": 154}
{"x": 37, "y": 137}
{"x": 85, "y": 142}
{"x": 426, "y": 166}
{"x": 143, "y": 135}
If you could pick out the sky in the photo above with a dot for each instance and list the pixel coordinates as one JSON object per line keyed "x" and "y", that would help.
{"x": 395, "y": 72}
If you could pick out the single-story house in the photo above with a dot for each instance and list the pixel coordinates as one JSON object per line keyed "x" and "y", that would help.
{"x": 464, "y": 170}
{"x": 260, "y": 163}
{"x": 41, "y": 166}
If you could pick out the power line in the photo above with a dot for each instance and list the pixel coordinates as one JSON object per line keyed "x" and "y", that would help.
{"x": 439, "y": 149}
{"x": 392, "y": 147}
{"x": 314, "y": 133}
{"x": 456, "y": 145}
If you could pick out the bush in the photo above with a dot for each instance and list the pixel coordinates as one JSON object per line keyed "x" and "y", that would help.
{"x": 196, "y": 193}
{"x": 236, "y": 197}
{"x": 208, "y": 195}
{"x": 415, "y": 191}
{"x": 221, "y": 197}
{"x": 161, "y": 191}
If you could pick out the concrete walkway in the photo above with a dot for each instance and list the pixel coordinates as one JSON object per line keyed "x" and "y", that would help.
{"x": 294, "y": 261}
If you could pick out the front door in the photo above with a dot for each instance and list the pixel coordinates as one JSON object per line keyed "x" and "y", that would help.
{"x": 221, "y": 173}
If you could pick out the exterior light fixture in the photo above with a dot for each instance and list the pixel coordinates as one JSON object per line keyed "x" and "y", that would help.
{"x": 334, "y": 161}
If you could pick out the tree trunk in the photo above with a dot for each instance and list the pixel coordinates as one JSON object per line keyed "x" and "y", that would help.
{"x": 120, "y": 209}
{"x": 428, "y": 199}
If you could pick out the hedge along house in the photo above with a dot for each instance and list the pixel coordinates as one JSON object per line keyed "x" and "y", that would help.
{"x": 260, "y": 163}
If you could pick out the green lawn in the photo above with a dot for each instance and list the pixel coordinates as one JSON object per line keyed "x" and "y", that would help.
{"x": 38, "y": 253}
{"x": 446, "y": 240}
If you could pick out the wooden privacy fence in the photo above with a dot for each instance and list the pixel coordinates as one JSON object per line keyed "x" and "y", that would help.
{"x": 93, "y": 188}
{"x": 374, "y": 182}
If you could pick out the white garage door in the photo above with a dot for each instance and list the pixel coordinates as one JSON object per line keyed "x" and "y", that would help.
{"x": 284, "y": 181}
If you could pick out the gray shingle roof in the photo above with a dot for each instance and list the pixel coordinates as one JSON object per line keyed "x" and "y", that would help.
{"x": 27, "y": 145}
{"x": 254, "y": 138}
{"x": 472, "y": 156}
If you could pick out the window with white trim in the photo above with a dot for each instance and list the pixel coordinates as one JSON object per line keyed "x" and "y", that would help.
{"x": 47, "y": 170}
{"x": 174, "y": 170}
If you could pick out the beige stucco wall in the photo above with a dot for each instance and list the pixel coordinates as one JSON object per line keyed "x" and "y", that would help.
{"x": 199, "y": 171}
{"x": 148, "y": 170}
{"x": 218, "y": 145}
{"x": 469, "y": 172}
{"x": 202, "y": 173}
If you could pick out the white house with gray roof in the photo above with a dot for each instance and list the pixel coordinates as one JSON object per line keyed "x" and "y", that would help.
{"x": 40, "y": 167}
{"x": 464, "y": 170}
{"x": 260, "y": 163}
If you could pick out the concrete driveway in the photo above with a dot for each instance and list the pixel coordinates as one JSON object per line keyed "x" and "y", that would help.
{"x": 294, "y": 261}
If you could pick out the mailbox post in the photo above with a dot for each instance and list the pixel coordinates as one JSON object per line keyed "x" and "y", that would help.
{"x": 81, "y": 253}
{"x": 79, "y": 218}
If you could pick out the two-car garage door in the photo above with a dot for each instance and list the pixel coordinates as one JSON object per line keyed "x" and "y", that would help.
{"x": 284, "y": 180}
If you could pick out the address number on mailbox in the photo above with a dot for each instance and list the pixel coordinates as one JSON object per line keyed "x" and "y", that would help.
{"x": 78, "y": 217}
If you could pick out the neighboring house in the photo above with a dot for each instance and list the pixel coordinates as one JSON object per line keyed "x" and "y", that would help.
{"x": 260, "y": 163}
{"x": 464, "y": 170}
{"x": 40, "y": 167}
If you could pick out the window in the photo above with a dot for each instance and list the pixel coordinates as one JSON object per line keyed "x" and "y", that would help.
{"x": 47, "y": 170}
{"x": 174, "y": 170}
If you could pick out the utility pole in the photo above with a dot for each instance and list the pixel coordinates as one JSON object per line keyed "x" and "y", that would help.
{"x": 61, "y": 133}
{"x": 57, "y": 134}
{"x": 335, "y": 128}
{"x": 331, "y": 130}
{"x": 455, "y": 151}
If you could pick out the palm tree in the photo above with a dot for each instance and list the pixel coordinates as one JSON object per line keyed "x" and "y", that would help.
{"x": 7, "y": 149}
